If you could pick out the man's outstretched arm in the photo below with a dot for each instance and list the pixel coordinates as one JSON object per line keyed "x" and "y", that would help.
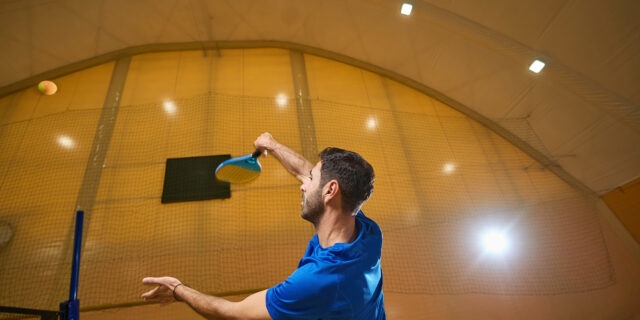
{"x": 254, "y": 307}
{"x": 294, "y": 162}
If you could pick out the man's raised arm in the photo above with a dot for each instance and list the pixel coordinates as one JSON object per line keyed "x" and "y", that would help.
{"x": 170, "y": 289}
{"x": 294, "y": 162}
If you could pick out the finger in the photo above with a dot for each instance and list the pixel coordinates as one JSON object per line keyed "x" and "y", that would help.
{"x": 150, "y": 294}
{"x": 151, "y": 281}
{"x": 265, "y": 153}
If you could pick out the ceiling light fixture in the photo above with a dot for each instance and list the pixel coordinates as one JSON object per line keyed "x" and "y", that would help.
{"x": 495, "y": 242}
{"x": 406, "y": 8}
{"x": 537, "y": 66}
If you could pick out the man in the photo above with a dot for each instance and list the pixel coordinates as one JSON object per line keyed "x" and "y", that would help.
{"x": 339, "y": 276}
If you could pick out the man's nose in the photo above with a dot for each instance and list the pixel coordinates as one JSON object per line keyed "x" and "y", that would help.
{"x": 303, "y": 188}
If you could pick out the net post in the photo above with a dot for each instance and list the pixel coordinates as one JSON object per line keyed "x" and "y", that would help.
{"x": 70, "y": 310}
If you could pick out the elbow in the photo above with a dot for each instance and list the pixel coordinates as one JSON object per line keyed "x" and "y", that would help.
{"x": 229, "y": 311}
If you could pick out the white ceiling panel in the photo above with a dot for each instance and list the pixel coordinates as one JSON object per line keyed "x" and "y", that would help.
{"x": 387, "y": 33}
{"x": 461, "y": 62}
{"x": 87, "y": 11}
{"x": 522, "y": 20}
{"x": 107, "y": 42}
{"x": 604, "y": 157}
{"x": 330, "y": 27}
{"x": 181, "y": 22}
{"x": 131, "y": 21}
{"x": 512, "y": 83}
{"x": 20, "y": 65}
{"x": 560, "y": 117}
{"x": 51, "y": 20}
{"x": 587, "y": 32}
{"x": 621, "y": 71}
{"x": 16, "y": 24}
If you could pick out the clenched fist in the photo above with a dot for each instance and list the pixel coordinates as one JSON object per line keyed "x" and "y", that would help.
{"x": 265, "y": 142}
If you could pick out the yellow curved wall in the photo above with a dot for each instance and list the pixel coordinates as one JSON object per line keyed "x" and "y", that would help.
{"x": 625, "y": 203}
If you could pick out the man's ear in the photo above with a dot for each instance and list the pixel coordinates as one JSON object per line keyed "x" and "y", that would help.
{"x": 331, "y": 189}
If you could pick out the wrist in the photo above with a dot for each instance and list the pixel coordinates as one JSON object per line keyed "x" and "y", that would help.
{"x": 273, "y": 145}
{"x": 177, "y": 295}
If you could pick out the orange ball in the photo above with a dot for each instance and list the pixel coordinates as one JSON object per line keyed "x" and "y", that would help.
{"x": 47, "y": 87}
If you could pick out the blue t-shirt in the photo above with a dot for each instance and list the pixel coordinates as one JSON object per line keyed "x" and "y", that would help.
{"x": 343, "y": 281}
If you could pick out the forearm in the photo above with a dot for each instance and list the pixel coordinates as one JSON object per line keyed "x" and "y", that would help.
{"x": 207, "y": 306}
{"x": 294, "y": 162}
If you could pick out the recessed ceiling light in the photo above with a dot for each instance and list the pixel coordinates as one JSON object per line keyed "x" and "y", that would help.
{"x": 536, "y": 66}
{"x": 406, "y": 8}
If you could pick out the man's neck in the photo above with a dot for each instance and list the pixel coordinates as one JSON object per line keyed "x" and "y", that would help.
{"x": 336, "y": 227}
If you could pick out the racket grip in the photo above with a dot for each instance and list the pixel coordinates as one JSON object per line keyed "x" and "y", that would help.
{"x": 256, "y": 153}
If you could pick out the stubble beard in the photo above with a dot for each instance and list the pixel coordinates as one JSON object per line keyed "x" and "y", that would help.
{"x": 312, "y": 208}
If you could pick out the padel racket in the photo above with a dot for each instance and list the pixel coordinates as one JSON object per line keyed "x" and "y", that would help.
{"x": 241, "y": 169}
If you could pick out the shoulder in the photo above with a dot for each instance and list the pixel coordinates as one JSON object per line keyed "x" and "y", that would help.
{"x": 313, "y": 278}
{"x": 372, "y": 228}
{"x": 370, "y": 239}
{"x": 308, "y": 291}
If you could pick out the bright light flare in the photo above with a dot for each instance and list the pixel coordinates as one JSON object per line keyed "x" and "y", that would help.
{"x": 448, "y": 168}
{"x": 537, "y": 66}
{"x": 169, "y": 107}
{"x": 66, "y": 142}
{"x": 372, "y": 123}
{"x": 406, "y": 9}
{"x": 281, "y": 100}
{"x": 494, "y": 242}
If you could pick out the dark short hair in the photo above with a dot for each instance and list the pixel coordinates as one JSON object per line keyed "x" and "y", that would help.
{"x": 354, "y": 175}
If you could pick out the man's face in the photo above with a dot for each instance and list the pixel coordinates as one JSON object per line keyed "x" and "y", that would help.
{"x": 312, "y": 203}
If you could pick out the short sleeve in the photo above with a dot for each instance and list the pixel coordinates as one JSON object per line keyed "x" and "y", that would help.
{"x": 307, "y": 294}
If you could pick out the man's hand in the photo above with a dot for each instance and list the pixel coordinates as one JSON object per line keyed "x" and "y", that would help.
{"x": 253, "y": 307}
{"x": 265, "y": 142}
{"x": 164, "y": 292}
{"x": 295, "y": 163}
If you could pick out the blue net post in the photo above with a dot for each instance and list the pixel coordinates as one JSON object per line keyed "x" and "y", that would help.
{"x": 70, "y": 310}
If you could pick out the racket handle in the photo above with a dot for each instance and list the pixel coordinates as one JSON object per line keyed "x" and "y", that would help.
{"x": 256, "y": 153}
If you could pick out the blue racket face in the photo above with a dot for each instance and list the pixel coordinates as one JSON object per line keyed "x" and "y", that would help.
{"x": 239, "y": 170}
